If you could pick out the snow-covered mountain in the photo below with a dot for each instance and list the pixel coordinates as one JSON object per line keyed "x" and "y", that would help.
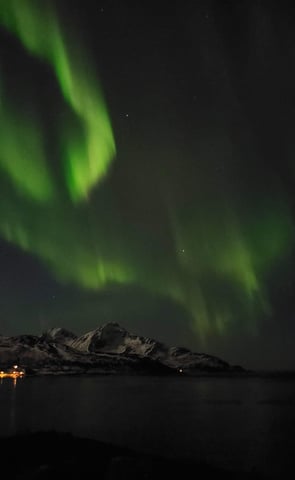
{"x": 112, "y": 338}
{"x": 107, "y": 349}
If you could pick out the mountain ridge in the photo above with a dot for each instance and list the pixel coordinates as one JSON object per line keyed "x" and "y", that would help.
{"x": 109, "y": 348}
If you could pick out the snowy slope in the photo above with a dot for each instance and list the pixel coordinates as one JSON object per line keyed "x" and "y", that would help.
{"x": 112, "y": 338}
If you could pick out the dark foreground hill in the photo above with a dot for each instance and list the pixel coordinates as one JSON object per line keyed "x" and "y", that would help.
{"x": 51, "y": 455}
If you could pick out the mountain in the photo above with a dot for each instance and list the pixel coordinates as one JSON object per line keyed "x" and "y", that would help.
{"x": 107, "y": 349}
{"x": 112, "y": 338}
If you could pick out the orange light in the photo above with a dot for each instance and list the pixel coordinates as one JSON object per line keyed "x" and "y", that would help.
{"x": 13, "y": 375}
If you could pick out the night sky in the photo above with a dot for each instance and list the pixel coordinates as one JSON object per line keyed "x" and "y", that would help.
{"x": 147, "y": 172}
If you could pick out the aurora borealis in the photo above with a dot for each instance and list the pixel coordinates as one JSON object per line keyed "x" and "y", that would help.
{"x": 153, "y": 152}
{"x": 87, "y": 151}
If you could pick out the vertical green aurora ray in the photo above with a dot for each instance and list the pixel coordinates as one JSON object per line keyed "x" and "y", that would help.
{"x": 224, "y": 263}
{"x": 88, "y": 156}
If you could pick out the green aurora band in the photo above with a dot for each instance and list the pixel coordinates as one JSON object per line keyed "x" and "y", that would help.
{"x": 210, "y": 262}
{"x": 88, "y": 156}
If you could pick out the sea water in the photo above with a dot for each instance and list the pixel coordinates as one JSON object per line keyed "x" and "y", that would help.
{"x": 235, "y": 423}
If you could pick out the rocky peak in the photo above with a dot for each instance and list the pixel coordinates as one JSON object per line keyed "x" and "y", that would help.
{"x": 59, "y": 335}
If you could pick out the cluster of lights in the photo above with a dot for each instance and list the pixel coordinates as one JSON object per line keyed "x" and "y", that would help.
{"x": 15, "y": 372}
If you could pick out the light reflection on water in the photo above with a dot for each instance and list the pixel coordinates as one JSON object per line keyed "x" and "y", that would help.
{"x": 233, "y": 423}
{"x": 9, "y": 384}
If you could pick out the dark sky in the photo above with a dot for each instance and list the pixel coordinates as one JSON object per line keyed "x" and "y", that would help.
{"x": 147, "y": 172}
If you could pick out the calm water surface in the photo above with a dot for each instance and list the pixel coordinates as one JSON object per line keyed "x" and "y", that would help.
{"x": 246, "y": 423}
